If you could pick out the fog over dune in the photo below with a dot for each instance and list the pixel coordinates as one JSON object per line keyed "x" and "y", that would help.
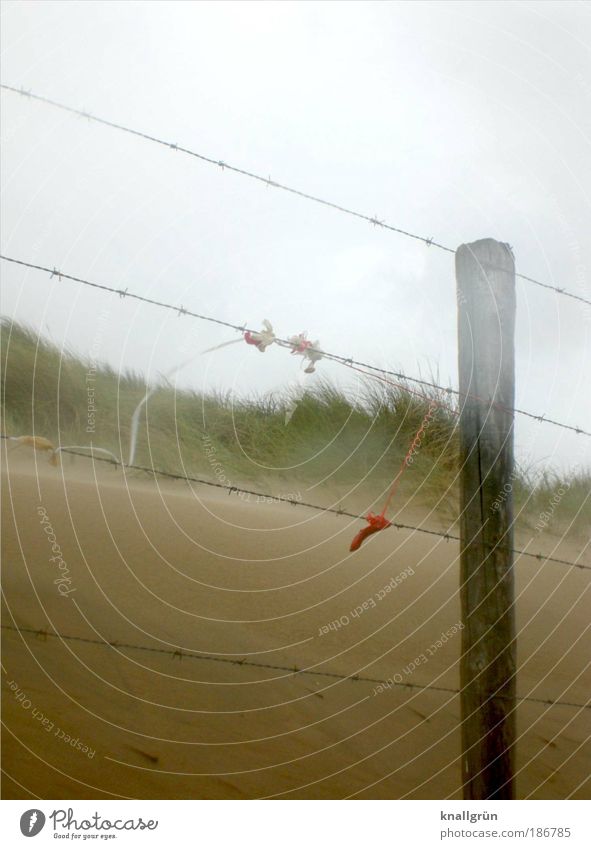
{"x": 239, "y": 562}
{"x": 454, "y": 121}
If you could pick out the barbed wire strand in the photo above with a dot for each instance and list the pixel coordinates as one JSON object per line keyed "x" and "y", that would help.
{"x": 371, "y": 219}
{"x": 294, "y": 669}
{"x": 337, "y": 511}
{"x": 346, "y": 361}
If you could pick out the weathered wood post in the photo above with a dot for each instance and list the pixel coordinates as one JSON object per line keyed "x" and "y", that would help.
{"x": 485, "y": 273}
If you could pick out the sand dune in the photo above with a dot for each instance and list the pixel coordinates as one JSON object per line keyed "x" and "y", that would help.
{"x": 155, "y": 568}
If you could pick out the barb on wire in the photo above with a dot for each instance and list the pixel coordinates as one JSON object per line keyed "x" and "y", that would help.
{"x": 124, "y": 293}
{"x": 337, "y": 511}
{"x": 346, "y": 361}
{"x": 428, "y": 241}
{"x": 294, "y": 669}
{"x": 224, "y": 165}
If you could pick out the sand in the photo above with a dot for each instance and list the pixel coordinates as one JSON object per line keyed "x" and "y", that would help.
{"x": 151, "y": 571}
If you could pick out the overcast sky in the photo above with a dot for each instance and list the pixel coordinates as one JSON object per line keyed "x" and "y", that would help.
{"x": 456, "y": 121}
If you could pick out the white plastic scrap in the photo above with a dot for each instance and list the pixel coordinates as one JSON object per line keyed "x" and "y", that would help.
{"x": 308, "y": 350}
{"x": 313, "y": 354}
{"x": 263, "y": 338}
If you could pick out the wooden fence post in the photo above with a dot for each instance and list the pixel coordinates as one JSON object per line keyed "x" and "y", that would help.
{"x": 485, "y": 274}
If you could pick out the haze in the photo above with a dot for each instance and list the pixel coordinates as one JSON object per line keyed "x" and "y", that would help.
{"x": 455, "y": 121}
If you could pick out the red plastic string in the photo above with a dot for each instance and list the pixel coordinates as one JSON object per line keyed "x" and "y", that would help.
{"x": 375, "y": 523}
{"x": 378, "y": 523}
{"x": 301, "y": 347}
{"x": 406, "y": 462}
{"x": 248, "y": 338}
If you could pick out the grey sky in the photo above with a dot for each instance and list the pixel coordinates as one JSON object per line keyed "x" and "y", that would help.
{"x": 452, "y": 120}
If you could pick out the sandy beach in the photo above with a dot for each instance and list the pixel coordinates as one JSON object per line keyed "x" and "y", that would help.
{"x": 187, "y": 643}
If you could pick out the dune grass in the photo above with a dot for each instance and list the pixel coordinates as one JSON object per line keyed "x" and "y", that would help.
{"x": 354, "y": 446}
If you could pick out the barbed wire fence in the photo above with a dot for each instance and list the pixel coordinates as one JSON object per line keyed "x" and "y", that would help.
{"x": 337, "y": 511}
{"x": 181, "y": 310}
{"x": 293, "y": 669}
{"x": 346, "y": 361}
{"x": 223, "y": 165}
